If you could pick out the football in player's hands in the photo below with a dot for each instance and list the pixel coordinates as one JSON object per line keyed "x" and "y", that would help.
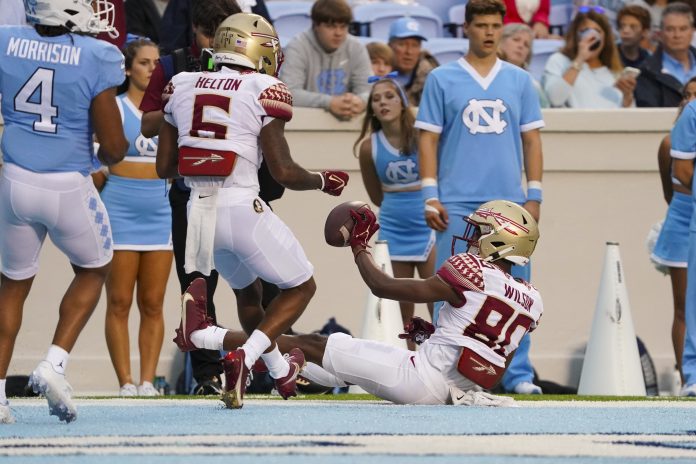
{"x": 339, "y": 223}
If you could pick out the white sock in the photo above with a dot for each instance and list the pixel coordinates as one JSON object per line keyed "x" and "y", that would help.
{"x": 58, "y": 358}
{"x": 318, "y": 374}
{"x": 277, "y": 366}
{"x": 210, "y": 338}
{"x": 3, "y": 397}
{"x": 257, "y": 343}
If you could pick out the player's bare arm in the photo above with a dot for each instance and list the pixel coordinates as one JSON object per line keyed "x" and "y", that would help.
{"x": 277, "y": 155}
{"x": 533, "y": 165}
{"x": 435, "y": 214}
{"x": 108, "y": 128}
{"x": 150, "y": 123}
{"x": 290, "y": 174}
{"x": 382, "y": 285}
{"x": 683, "y": 170}
{"x": 167, "y": 152}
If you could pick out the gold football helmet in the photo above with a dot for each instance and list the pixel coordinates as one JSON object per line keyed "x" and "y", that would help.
{"x": 248, "y": 40}
{"x": 500, "y": 229}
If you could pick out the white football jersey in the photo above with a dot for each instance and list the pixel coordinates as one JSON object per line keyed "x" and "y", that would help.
{"x": 226, "y": 110}
{"x": 496, "y": 309}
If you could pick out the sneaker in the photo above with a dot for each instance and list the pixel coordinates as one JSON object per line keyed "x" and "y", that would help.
{"x": 147, "y": 389}
{"x": 47, "y": 382}
{"x": 210, "y": 386}
{"x": 236, "y": 376}
{"x": 527, "y": 388}
{"x": 194, "y": 315}
{"x": 128, "y": 389}
{"x": 287, "y": 386}
{"x": 6, "y": 416}
{"x": 688, "y": 390}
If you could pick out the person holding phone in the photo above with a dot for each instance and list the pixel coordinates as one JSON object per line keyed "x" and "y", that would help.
{"x": 587, "y": 71}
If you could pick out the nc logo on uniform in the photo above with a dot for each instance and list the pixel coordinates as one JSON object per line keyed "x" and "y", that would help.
{"x": 145, "y": 146}
{"x": 402, "y": 171}
{"x": 483, "y": 116}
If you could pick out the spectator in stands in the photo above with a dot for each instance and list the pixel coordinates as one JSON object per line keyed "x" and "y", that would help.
{"x": 325, "y": 67}
{"x": 464, "y": 104}
{"x": 144, "y": 17}
{"x": 672, "y": 247}
{"x": 673, "y": 63}
{"x": 381, "y": 58}
{"x": 633, "y": 23}
{"x": 388, "y": 155}
{"x": 683, "y": 150}
{"x": 411, "y": 62}
{"x": 516, "y": 48}
{"x": 175, "y": 31}
{"x": 141, "y": 224}
{"x": 534, "y": 13}
{"x": 206, "y": 15}
{"x": 587, "y": 71}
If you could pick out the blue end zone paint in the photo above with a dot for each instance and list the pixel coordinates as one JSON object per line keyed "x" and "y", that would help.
{"x": 271, "y": 418}
{"x": 313, "y": 423}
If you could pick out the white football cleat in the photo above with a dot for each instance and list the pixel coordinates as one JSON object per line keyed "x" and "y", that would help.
{"x": 6, "y": 416}
{"x": 58, "y": 392}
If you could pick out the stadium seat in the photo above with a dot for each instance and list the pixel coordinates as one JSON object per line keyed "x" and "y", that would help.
{"x": 374, "y": 19}
{"x": 290, "y": 17}
{"x": 542, "y": 49}
{"x": 559, "y": 17}
{"x": 447, "y": 49}
{"x": 441, "y": 9}
{"x": 456, "y": 19}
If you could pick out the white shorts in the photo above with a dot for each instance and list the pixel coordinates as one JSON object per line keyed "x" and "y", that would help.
{"x": 395, "y": 374}
{"x": 251, "y": 241}
{"x": 65, "y": 205}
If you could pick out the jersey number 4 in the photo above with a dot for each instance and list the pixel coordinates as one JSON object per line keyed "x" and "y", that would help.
{"x": 40, "y": 82}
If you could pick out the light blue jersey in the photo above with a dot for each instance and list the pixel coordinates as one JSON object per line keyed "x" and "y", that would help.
{"x": 47, "y": 86}
{"x": 480, "y": 119}
{"x": 140, "y": 149}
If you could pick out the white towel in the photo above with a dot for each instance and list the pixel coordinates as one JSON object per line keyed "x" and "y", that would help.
{"x": 200, "y": 234}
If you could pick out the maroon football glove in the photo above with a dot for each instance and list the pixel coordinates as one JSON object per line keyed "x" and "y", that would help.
{"x": 418, "y": 330}
{"x": 334, "y": 182}
{"x": 365, "y": 227}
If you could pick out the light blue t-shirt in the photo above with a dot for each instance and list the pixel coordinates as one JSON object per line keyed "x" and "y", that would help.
{"x": 47, "y": 86}
{"x": 480, "y": 121}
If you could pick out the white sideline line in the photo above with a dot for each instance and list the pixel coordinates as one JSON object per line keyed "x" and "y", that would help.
{"x": 585, "y": 445}
{"x": 256, "y": 402}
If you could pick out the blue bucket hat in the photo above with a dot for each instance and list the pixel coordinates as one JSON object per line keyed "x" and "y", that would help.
{"x": 405, "y": 27}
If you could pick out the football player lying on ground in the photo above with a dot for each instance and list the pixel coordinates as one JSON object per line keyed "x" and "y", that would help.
{"x": 485, "y": 314}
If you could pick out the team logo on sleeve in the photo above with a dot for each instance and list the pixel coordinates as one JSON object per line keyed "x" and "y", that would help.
{"x": 258, "y": 207}
{"x": 483, "y": 116}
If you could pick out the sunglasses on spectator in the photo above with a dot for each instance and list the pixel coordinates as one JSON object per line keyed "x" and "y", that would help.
{"x": 588, "y": 8}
